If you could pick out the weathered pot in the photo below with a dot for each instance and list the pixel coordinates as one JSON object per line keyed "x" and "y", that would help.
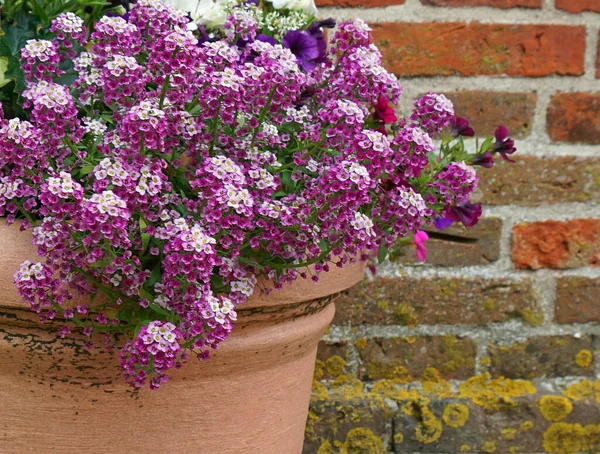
{"x": 251, "y": 397}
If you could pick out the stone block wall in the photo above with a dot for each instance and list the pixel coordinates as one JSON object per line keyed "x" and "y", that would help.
{"x": 493, "y": 346}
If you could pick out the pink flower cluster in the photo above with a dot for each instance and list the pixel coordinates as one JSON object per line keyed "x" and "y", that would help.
{"x": 175, "y": 170}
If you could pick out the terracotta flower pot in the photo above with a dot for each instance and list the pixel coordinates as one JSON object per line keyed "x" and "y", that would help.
{"x": 251, "y": 397}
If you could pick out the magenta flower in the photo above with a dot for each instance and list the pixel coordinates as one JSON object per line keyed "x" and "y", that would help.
{"x": 503, "y": 144}
{"x": 384, "y": 112}
{"x": 420, "y": 238}
{"x": 460, "y": 127}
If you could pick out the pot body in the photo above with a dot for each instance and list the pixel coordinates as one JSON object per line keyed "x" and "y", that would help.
{"x": 250, "y": 397}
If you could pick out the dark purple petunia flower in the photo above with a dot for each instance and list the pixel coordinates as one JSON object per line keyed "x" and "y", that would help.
{"x": 316, "y": 30}
{"x": 460, "y": 127}
{"x": 266, "y": 39}
{"x": 304, "y": 46}
{"x": 503, "y": 144}
{"x": 442, "y": 223}
{"x": 484, "y": 160}
{"x": 465, "y": 212}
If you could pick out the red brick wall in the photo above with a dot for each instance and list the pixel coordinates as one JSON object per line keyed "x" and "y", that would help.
{"x": 491, "y": 347}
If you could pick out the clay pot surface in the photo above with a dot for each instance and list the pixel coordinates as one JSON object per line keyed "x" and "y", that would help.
{"x": 250, "y": 397}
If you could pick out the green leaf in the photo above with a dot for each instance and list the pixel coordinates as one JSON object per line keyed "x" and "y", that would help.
{"x": 145, "y": 241}
{"x": 250, "y": 262}
{"x": 155, "y": 275}
{"x": 86, "y": 170}
{"x": 323, "y": 245}
{"x": 160, "y": 310}
{"x": 382, "y": 253}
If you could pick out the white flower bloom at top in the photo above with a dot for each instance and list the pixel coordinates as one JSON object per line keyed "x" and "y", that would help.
{"x": 210, "y": 13}
{"x": 307, "y": 6}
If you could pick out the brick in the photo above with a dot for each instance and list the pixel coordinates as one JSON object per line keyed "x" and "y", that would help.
{"x": 573, "y": 118}
{"x": 518, "y": 428}
{"x": 404, "y": 301}
{"x": 491, "y": 3}
{"x": 486, "y": 110}
{"x": 331, "y": 420}
{"x": 548, "y": 356}
{"x": 331, "y": 360}
{"x": 577, "y": 300}
{"x": 578, "y": 6}
{"x": 531, "y": 181}
{"x": 391, "y": 358}
{"x": 358, "y": 3}
{"x": 445, "y": 253}
{"x": 456, "y": 48}
{"x": 556, "y": 244}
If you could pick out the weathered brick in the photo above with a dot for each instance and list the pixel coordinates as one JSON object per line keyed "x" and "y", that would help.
{"x": 446, "y": 253}
{"x": 573, "y": 118}
{"x": 577, "y": 300}
{"x": 391, "y": 358}
{"x": 404, "y": 301}
{"x": 556, "y": 244}
{"x": 548, "y": 356}
{"x": 331, "y": 359}
{"x": 359, "y": 3}
{"x": 486, "y": 110}
{"x": 331, "y": 420}
{"x": 516, "y": 428}
{"x": 531, "y": 181}
{"x": 456, "y": 48}
{"x": 578, "y": 6}
{"x": 491, "y": 3}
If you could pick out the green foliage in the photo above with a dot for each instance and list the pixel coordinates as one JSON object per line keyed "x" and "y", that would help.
{"x": 22, "y": 20}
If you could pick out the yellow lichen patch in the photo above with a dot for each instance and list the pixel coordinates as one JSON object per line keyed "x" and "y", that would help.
{"x": 591, "y": 438}
{"x": 555, "y": 408}
{"x": 513, "y": 449}
{"x": 465, "y": 448}
{"x": 489, "y": 305}
{"x": 563, "y": 438}
{"x": 383, "y": 305}
{"x": 391, "y": 390}
{"x": 433, "y": 384}
{"x": 319, "y": 370}
{"x": 362, "y": 441}
{"x": 410, "y": 339}
{"x": 361, "y": 343}
{"x": 509, "y": 434}
{"x": 456, "y": 415}
{"x": 405, "y": 315}
{"x": 489, "y": 447}
{"x": 525, "y": 426}
{"x": 582, "y": 390}
{"x": 319, "y": 391}
{"x": 347, "y": 386}
{"x": 532, "y": 318}
{"x": 485, "y": 361}
{"x": 455, "y": 354}
{"x": 495, "y": 394}
{"x": 429, "y": 429}
{"x": 584, "y": 358}
{"x": 398, "y": 438}
{"x": 335, "y": 366}
{"x": 326, "y": 448}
